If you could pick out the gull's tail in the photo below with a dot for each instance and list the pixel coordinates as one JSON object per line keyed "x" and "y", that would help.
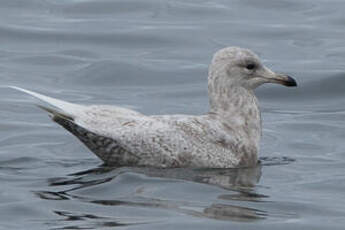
{"x": 56, "y": 107}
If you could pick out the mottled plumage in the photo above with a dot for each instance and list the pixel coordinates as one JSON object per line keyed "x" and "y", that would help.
{"x": 228, "y": 136}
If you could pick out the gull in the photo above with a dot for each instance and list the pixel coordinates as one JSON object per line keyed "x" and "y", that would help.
{"x": 228, "y": 136}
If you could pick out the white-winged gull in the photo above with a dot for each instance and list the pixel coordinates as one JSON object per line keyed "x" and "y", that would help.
{"x": 227, "y": 136}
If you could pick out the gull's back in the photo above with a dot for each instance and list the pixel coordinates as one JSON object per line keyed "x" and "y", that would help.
{"x": 124, "y": 137}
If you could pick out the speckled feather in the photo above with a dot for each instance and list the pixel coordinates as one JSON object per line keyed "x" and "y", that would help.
{"x": 228, "y": 136}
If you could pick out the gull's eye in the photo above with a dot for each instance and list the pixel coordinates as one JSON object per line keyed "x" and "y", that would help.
{"x": 250, "y": 66}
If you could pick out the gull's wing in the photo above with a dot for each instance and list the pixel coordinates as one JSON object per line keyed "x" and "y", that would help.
{"x": 117, "y": 135}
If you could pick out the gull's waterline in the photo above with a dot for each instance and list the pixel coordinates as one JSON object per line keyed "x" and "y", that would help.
{"x": 226, "y": 137}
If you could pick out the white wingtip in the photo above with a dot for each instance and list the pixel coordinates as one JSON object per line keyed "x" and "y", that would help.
{"x": 26, "y": 91}
{"x": 69, "y": 108}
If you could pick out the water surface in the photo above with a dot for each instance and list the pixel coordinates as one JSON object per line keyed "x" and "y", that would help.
{"x": 153, "y": 56}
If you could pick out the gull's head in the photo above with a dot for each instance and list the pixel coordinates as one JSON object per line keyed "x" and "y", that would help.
{"x": 237, "y": 67}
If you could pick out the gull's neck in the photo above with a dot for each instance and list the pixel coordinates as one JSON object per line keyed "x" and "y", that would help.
{"x": 238, "y": 108}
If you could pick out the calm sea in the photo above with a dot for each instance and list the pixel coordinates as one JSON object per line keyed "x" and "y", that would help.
{"x": 153, "y": 56}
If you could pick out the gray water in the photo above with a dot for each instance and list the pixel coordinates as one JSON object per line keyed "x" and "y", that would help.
{"x": 152, "y": 56}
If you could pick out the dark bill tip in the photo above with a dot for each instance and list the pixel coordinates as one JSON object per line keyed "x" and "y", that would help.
{"x": 290, "y": 82}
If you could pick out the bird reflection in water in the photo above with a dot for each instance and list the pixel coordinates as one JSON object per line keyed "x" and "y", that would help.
{"x": 234, "y": 205}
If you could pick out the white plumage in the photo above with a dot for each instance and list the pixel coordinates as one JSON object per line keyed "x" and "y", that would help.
{"x": 228, "y": 136}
